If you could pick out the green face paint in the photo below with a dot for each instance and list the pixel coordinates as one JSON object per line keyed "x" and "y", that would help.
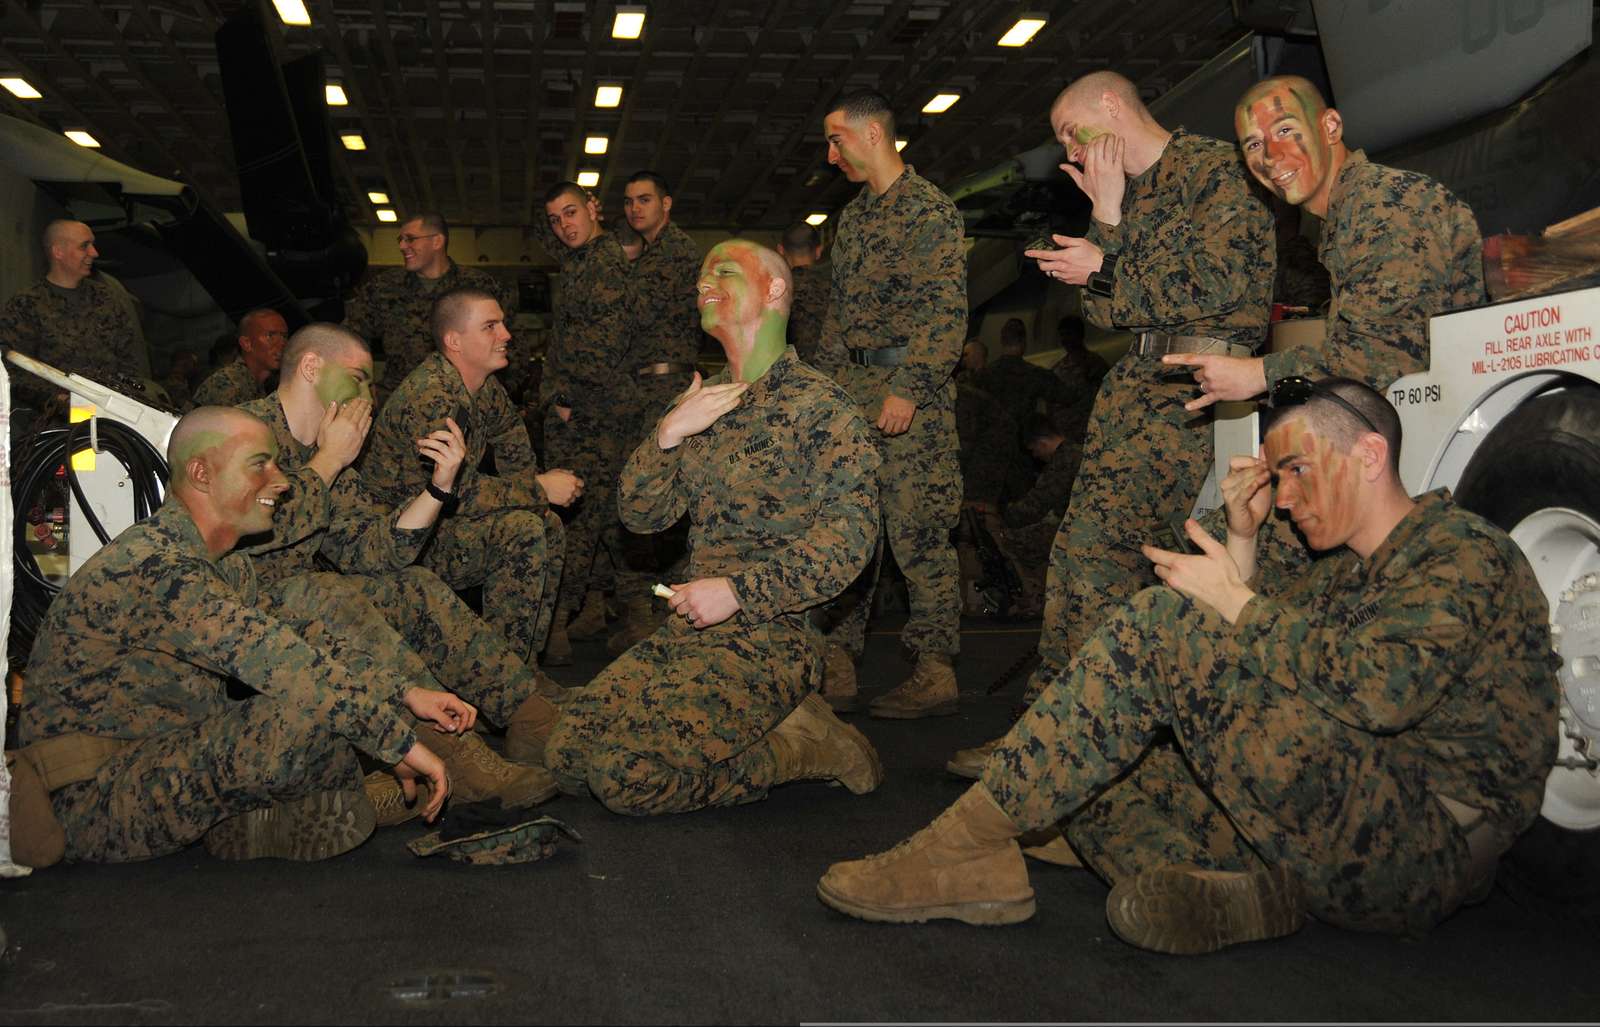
{"x": 1084, "y": 134}
{"x": 340, "y": 384}
{"x": 732, "y": 287}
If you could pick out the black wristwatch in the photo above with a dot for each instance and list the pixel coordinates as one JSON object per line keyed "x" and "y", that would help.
{"x": 446, "y": 499}
{"x": 1101, "y": 282}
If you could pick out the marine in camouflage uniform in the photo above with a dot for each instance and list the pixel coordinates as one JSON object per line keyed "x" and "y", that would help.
{"x": 230, "y": 385}
{"x": 1195, "y": 255}
{"x": 781, "y": 499}
{"x": 392, "y": 306}
{"x": 502, "y": 534}
{"x": 812, "y": 285}
{"x": 585, "y": 372}
{"x": 91, "y": 328}
{"x": 1024, "y": 388}
{"x": 900, "y": 282}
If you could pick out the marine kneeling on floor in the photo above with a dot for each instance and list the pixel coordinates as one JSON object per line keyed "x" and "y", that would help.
{"x": 134, "y": 748}
{"x": 1359, "y": 744}
{"x": 774, "y": 467}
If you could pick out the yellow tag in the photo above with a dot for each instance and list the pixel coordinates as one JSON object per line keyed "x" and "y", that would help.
{"x": 83, "y": 459}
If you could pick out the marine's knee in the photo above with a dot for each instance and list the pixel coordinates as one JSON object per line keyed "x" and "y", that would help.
{"x": 622, "y": 781}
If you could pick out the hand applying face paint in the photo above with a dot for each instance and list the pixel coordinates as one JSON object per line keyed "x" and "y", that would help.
{"x": 1103, "y": 177}
{"x": 340, "y": 436}
{"x": 697, "y": 410}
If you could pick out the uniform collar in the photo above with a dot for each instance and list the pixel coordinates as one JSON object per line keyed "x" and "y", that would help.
{"x": 1343, "y": 180}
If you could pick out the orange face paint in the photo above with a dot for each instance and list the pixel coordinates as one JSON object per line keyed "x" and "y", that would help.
{"x": 1318, "y": 484}
{"x": 1282, "y": 138}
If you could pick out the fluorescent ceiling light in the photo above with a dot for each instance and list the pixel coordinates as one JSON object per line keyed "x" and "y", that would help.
{"x": 941, "y": 103}
{"x": 816, "y": 219}
{"x": 378, "y": 198}
{"x": 20, "y": 89}
{"x": 588, "y": 179}
{"x": 387, "y": 215}
{"x": 1025, "y": 29}
{"x": 596, "y": 144}
{"x": 629, "y": 23}
{"x": 899, "y": 144}
{"x": 82, "y": 138}
{"x": 335, "y": 94}
{"x": 353, "y": 141}
{"x": 608, "y": 95}
{"x": 293, "y": 12}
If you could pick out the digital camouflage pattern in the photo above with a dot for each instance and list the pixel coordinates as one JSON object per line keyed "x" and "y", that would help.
{"x": 231, "y": 385}
{"x": 1399, "y": 249}
{"x": 1047, "y": 500}
{"x": 1301, "y": 280}
{"x": 502, "y": 535}
{"x": 93, "y": 330}
{"x": 900, "y": 279}
{"x": 1323, "y": 726}
{"x": 812, "y": 285}
{"x": 395, "y": 306}
{"x": 140, "y": 646}
{"x": 781, "y": 496}
{"x": 1025, "y": 389}
{"x": 1196, "y": 250}
{"x": 524, "y": 840}
{"x": 586, "y": 364}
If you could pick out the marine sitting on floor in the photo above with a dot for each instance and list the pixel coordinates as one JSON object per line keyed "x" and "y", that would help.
{"x": 135, "y": 749}
{"x": 1360, "y": 743}
{"x": 776, "y": 471}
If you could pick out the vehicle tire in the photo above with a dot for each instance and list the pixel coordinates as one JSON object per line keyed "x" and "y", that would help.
{"x": 1545, "y": 454}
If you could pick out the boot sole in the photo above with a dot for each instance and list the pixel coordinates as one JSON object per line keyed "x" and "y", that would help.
{"x": 317, "y": 827}
{"x": 1176, "y": 912}
{"x": 944, "y": 709}
{"x": 970, "y": 771}
{"x": 862, "y": 785}
{"x": 978, "y": 914}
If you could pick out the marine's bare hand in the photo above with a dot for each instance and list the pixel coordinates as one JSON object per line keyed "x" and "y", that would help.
{"x": 561, "y": 486}
{"x": 1222, "y": 379}
{"x": 705, "y": 602}
{"x": 447, "y": 448}
{"x": 449, "y": 714}
{"x": 1102, "y": 176}
{"x": 343, "y": 429}
{"x": 895, "y": 417}
{"x": 698, "y": 409}
{"x": 1073, "y": 263}
{"x": 420, "y": 764}
{"x": 1247, "y": 495}
{"x": 1211, "y": 577}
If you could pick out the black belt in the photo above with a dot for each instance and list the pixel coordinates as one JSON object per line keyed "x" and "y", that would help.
{"x": 1155, "y": 344}
{"x": 888, "y": 356}
{"x": 663, "y": 367}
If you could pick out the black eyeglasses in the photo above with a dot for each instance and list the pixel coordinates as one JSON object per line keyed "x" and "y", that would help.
{"x": 1296, "y": 391}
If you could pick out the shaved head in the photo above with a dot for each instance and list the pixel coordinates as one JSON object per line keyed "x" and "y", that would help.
{"x": 1312, "y": 102}
{"x": 767, "y": 260}
{"x": 201, "y": 431}
{"x": 62, "y": 231}
{"x": 324, "y": 338}
{"x": 1091, "y": 87}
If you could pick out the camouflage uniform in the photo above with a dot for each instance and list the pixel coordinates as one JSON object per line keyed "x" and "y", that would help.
{"x": 812, "y": 283}
{"x": 1399, "y": 249}
{"x": 1317, "y": 733}
{"x": 396, "y": 306}
{"x": 434, "y": 634}
{"x": 666, "y": 330}
{"x": 1196, "y": 253}
{"x": 1301, "y": 280}
{"x": 502, "y": 534}
{"x": 93, "y": 330}
{"x": 586, "y": 365}
{"x": 140, "y": 646}
{"x": 1025, "y": 389}
{"x": 231, "y": 385}
{"x": 782, "y": 500}
{"x": 991, "y": 458}
{"x": 900, "y": 279}
{"x": 1047, "y": 500}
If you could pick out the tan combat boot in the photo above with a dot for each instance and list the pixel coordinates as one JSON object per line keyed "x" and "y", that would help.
{"x": 388, "y": 798}
{"x": 839, "y": 679}
{"x": 320, "y": 826}
{"x": 964, "y": 866}
{"x": 969, "y": 763}
{"x": 812, "y": 744}
{"x": 557, "y": 646}
{"x": 930, "y": 691}
{"x": 1049, "y": 845}
{"x": 477, "y": 772}
{"x": 37, "y": 838}
{"x": 528, "y": 730}
{"x": 590, "y": 621}
{"x": 639, "y": 621}
{"x": 1186, "y": 911}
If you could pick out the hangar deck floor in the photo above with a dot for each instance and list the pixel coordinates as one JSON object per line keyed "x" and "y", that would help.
{"x": 712, "y": 917}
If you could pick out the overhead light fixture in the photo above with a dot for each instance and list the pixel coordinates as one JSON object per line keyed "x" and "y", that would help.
{"x": 293, "y": 12}
{"x": 588, "y": 179}
{"x": 83, "y": 138}
{"x": 388, "y": 216}
{"x": 816, "y": 219}
{"x": 353, "y": 141}
{"x": 1027, "y": 26}
{"x": 19, "y": 88}
{"x": 629, "y": 23}
{"x": 378, "y": 199}
{"x": 940, "y": 103}
{"x": 608, "y": 94}
{"x": 900, "y": 144}
{"x": 596, "y": 144}
{"x": 335, "y": 94}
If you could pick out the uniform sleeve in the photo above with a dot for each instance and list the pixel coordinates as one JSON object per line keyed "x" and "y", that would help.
{"x": 831, "y": 355}
{"x": 1387, "y": 665}
{"x": 821, "y": 563}
{"x": 508, "y": 434}
{"x": 1196, "y": 261}
{"x": 649, "y": 495}
{"x": 392, "y": 471}
{"x": 592, "y": 368}
{"x": 935, "y": 302}
{"x": 1052, "y": 490}
{"x": 1395, "y": 266}
{"x": 364, "y": 537}
{"x": 361, "y": 311}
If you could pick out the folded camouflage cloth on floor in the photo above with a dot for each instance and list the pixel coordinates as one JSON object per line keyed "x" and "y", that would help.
{"x": 488, "y": 834}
